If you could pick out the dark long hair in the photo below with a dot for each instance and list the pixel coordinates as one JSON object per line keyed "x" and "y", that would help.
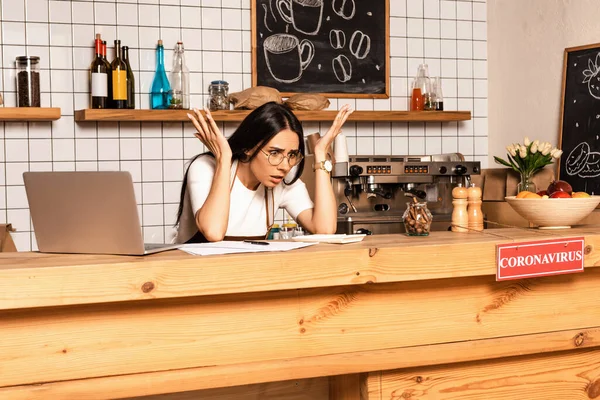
{"x": 254, "y": 132}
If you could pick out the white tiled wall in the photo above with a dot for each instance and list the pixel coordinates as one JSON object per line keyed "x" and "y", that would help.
{"x": 449, "y": 35}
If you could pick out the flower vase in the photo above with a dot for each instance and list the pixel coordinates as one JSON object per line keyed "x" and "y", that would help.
{"x": 526, "y": 183}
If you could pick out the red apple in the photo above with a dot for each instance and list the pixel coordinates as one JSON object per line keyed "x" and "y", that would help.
{"x": 560, "y": 195}
{"x": 542, "y": 193}
{"x": 559, "y": 186}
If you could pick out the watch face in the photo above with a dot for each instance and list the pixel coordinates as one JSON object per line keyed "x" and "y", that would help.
{"x": 327, "y": 165}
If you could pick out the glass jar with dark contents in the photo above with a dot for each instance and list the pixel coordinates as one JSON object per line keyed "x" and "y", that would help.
{"x": 28, "y": 81}
{"x": 218, "y": 96}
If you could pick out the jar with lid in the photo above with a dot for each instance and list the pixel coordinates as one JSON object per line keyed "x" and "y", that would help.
{"x": 218, "y": 99}
{"x": 28, "y": 81}
{"x": 417, "y": 218}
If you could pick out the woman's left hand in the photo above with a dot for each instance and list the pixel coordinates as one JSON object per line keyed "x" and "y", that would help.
{"x": 325, "y": 141}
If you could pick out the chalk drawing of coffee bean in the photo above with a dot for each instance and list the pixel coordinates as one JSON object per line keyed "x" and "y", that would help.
{"x": 342, "y": 68}
{"x": 337, "y": 38}
{"x": 344, "y": 8}
{"x": 360, "y": 45}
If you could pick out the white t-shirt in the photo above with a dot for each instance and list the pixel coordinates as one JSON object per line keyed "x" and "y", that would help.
{"x": 247, "y": 208}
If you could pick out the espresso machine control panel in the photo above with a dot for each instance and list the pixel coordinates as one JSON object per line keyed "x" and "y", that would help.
{"x": 371, "y": 190}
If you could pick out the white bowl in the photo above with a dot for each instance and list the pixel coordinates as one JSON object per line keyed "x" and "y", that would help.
{"x": 554, "y": 213}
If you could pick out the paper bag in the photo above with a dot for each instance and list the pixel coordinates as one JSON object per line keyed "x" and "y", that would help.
{"x": 6, "y": 241}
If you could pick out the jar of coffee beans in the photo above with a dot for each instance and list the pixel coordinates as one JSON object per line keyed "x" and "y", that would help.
{"x": 28, "y": 81}
{"x": 417, "y": 218}
{"x": 218, "y": 93}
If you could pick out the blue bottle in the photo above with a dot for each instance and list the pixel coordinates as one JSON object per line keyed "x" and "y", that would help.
{"x": 160, "y": 94}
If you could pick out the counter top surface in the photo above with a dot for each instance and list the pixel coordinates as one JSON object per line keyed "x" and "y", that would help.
{"x": 32, "y": 279}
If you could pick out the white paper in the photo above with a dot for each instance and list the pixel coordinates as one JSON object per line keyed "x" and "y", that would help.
{"x": 231, "y": 247}
{"x": 340, "y": 238}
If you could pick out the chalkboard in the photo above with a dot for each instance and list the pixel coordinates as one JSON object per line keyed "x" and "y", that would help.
{"x": 338, "y": 48}
{"x": 580, "y": 122}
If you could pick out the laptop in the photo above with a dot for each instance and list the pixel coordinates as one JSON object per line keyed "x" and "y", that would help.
{"x": 86, "y": 212}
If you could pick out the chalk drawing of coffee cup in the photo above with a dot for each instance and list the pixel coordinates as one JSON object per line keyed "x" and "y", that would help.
{"x": 304, "y": 15}
{"x": 283, "y": 55}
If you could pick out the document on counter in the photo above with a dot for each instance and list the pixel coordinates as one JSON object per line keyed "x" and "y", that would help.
{"x": 231, "y": 247}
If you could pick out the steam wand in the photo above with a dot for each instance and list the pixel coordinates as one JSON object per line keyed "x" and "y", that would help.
{"x": 348, "y": 192}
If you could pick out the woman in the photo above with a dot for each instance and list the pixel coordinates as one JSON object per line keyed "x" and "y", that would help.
{"x": 232, "y": 191}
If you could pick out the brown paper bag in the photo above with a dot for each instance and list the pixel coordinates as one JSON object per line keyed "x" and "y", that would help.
{"x": 6, "y": 241}
{"x": 307, "y": 102}
{"x": 254, "y": 97}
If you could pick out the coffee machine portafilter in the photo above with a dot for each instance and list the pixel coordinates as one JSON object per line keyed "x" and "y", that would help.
{"x": 370, "y": 190}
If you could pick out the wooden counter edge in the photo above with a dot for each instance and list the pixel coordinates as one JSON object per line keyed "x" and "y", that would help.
{"x": 189, "y": 379}
{"x": 45, "y": 280}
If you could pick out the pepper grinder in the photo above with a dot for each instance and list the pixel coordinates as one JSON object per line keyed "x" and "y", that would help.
{"x": 474, "y": 208}
{"x": 460, "y": 217}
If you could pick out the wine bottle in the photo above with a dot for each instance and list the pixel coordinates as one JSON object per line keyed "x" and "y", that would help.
{"x": 98, "y": 78}
{"x": 130, "y": 79}
{"x": 180, "y": 80}
{"x": 119, "y": 79}
{"x": 160, "y": 94}
{"x": 109, "y": 73}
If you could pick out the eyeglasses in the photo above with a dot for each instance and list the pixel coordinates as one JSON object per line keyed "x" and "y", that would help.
{"x": 276, "y": 157}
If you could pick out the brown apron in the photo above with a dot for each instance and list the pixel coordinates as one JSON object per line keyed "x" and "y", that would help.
{"x": 199, "y": 237}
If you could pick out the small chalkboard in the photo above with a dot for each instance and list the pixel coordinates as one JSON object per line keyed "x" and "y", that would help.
{"x": 580, "y": 122}
{"x": 338, "y": 48}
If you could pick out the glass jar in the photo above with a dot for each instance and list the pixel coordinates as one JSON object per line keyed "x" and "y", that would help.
{"x": 526, "y": 183}
{"x": 28, "y": 81}
{"x": 218, "y": 99}
{"x": 417, "y": 219}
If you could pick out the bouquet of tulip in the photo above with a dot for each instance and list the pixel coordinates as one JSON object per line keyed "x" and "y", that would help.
{"x": 529, "y": 157}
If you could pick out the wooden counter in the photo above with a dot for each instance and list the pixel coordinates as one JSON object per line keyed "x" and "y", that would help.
{"x": 391, "y": 317}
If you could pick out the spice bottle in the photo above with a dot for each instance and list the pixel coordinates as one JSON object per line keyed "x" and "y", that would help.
{"x": 421, "y": 90}
{"x": 474, "y": 208}
{"x": 218, "y": 99}
{"x": 438, "y": 97}
{"x": 417, "y": 218}
{"x": 460, "y": 217}
{"x": 274, "y": 232}
{"x": 28, "y": 81}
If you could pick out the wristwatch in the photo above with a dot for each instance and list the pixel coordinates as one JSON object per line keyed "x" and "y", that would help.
{"x": 324, "y": 165}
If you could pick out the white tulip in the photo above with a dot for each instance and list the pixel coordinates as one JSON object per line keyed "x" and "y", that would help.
{"x": 557, "y": 153}
{"x": 547, "y": 148}
{"x": 510, "y": 147}
{"x": 513, "y": 151}
{"x": 534, "y": 148}
{"x": 526, "y": 141}
{"x": 537, "y": 143}
{"x": 523, "y": 151}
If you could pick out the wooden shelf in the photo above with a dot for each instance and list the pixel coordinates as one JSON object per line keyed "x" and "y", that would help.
{"x": 24, "y": 114}
{"x": 238, "y": 115}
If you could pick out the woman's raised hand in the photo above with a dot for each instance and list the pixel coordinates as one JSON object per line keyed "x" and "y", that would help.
{"x": 336, "y": 127}
{"x": 210, "y": 135}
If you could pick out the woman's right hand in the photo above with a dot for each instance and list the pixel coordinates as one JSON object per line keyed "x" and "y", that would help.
{"x": 210, "y": 135}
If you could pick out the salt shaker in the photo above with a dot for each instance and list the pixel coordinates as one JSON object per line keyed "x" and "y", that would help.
{"x": 474, "y": 208}
{"x": 460, "y": 217}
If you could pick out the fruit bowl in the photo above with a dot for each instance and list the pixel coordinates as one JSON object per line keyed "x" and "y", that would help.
{"x": 554, "y": 213}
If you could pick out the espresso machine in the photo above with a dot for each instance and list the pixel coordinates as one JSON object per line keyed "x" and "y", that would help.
{"x": 371, "y": 191}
